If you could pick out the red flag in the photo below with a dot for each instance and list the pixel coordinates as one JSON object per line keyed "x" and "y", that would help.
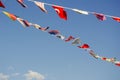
{"x": 1, "y": 4}
{"x": 100, "y": 16}
{"x": 116, "y": 19}
{"x": 69, "y": 38}
{"x": 84, "y": 46}
{"x": 104, "y": 58}
{"x": 61, "y": 12}
{"x": 22, "y": 3}
{"x": 117, "y": 63}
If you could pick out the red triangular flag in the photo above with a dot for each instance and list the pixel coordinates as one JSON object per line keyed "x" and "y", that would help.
{"x": 61, "y": 12}
{"x": 100, "y": 16}
{"x": 116, "y": 19}
{"x": 22, "y": 3}
{"x": 69, "y": 38}
{"x": 117, "y": 63}
{"x": 2, "y": 5}
{"x": 104, "y": 58}
{"x": 84, "y": 46}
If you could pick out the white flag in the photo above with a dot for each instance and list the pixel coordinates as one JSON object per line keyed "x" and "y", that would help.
{"x": 41, "y": 6}
{"x": 76, "y": 41}
{"x": 80, "y": 11}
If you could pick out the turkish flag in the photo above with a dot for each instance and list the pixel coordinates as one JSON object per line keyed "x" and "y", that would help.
{"x": 2, "y": 5}
{"x": 116, "y": 19}
{"x": 61, "y": 12}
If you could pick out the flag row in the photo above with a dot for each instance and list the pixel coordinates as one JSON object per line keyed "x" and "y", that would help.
{"x": 74, "y": 41}
{"x": 62, "y": 13}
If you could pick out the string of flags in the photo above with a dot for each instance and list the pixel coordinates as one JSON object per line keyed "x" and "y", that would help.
{"x": 57, "y": 33}
{"x": 60, "y": 10}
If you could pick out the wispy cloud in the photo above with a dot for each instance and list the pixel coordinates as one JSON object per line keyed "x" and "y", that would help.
{"x": 3, "y": 76}
{"x": 34, "y": 75}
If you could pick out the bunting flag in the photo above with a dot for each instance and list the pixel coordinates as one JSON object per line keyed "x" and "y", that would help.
{"x": 60, "y": 36}
{"x": 11, "y": 16}
{"x": 69, "y": 38}
{"x": 80, "y": 11}
{"x": 117, "y": 63}
{"x": 92, "y": 53}
{"x": 1, "y": 4}
{"x": 39, "y": 27}
{"x": 22, "y": 3}
{"x": 44, "y": 29}
{"x": 76, "y": 41}
{"x": 84, "y": 46}
{"x": 36, "y": 26}
{"x": 41, "y": 6}
{"x": 61, "y": 12}
{"x": 116, "y": 19}
{"x": 100, "y": 16}
{"x": 53, "y": 32}
{"x": 23, "y": 22}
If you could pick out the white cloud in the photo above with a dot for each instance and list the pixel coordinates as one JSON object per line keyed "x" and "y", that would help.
{"x": 3, "y": 76}
{"x": 34, "y": 75}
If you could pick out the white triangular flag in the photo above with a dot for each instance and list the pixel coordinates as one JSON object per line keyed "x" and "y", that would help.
{"x": 41, "y": 6}
{"x": 80, "y": 11}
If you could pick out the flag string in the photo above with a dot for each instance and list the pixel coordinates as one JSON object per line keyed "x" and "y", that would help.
{"x": 90, "y": 12}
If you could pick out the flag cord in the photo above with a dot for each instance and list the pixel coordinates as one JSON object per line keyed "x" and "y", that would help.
{"x": 71, "y": 8}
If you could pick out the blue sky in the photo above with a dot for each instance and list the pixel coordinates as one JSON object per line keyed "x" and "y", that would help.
{"x": 26, "y": 51}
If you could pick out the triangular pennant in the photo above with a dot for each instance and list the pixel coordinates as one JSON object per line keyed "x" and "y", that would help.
{"x": 91, "y": 52}
{"x": 69, "y": 38}
{"x": 22, "y": 3}
{"x": 117, "y": 63}
{"x": 76, "y": 41}
{"x": 84, "y": 46}
{"x": 116, "y": 19}
{"x": 100, "y": 16}
{"x": 44, "y": 28}
{"x": 1, "y": 4}
{"x": 41, "y": 6}
{"x": 53, "y": 32}
{"x": 61, "y": 12}
{"x": 36, "y": 26}
{"x": 11, "y": 16}
{"x": 24, "y": 23}
{"x": 80, "y": 11}
{"x": 60, "y": 36}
